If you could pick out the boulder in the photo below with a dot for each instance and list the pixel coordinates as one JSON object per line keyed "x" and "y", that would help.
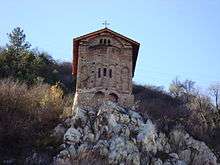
{"x": 72, "y": 136}
{"x": 114, "y": 135}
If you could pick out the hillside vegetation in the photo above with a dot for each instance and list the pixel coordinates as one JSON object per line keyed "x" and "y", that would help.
{"x": 181, "y": 107}
{"x": 36, "y": 90}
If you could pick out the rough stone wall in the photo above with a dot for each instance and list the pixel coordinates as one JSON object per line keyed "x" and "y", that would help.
{"x": 104, "y": 70}
{"x": 93, "y": 99}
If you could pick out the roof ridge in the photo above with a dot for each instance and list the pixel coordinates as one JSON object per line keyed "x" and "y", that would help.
{"x": 109, "y": 30}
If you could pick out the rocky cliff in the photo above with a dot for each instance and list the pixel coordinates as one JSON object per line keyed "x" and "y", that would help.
{"x": 114, "y": 135}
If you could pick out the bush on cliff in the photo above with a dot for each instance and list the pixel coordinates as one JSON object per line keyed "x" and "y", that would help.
{"x": 27, "y": 115}
{"x": 188, "y": 108}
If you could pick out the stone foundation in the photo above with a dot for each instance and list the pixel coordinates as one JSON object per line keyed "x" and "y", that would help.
{"x": 93, "y": 99}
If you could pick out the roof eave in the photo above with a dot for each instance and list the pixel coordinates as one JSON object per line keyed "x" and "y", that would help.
{"x": 108, "y": 30}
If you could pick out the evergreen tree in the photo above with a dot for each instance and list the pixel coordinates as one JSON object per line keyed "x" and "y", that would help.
{"x": 17, "y": 41}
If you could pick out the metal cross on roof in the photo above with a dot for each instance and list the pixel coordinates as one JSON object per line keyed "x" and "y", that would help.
{"x": 105, "y": 24}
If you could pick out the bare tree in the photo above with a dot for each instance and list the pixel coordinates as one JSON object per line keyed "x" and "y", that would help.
{"x": 184, "y": 90}
{"x": 214, "y": 91}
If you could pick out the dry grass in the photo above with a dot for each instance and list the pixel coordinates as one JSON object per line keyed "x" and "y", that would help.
{"x": 27, "y": 114}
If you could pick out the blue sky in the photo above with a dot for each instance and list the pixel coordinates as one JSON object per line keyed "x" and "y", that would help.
{"x": 178, "y": 37}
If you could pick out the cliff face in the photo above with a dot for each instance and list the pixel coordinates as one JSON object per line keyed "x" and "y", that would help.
{"x": 114, "y": 135}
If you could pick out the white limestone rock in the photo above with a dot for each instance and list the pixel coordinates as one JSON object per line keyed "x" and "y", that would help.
{"x": 72, "y": 151}
{"x": 134, "y": 115}
{"x": 156, "y": 162}
{"x": 174, "y": 162}
{"x": 147, "y": 135}
{"x": 185, "y": 155}
{"x": 72, "y": 136}
{"x": 162, "y": 143}
{"x": 119, "y": 136}
{"x": 80, "y": 117}
{"x": 174, "y": 155}
{"x": 83, "y": 148}
{"x": 200, "y": 151}
{"x": 102, "y": 147}
{"x": 121, "y": 150}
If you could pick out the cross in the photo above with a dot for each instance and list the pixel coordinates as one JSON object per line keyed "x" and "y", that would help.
{"x": 105, "y": 24}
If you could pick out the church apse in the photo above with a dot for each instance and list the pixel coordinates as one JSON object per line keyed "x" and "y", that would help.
{"x": 104, "y": 68}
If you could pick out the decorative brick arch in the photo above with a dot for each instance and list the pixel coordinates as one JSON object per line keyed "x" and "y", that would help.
{"x": 112, "y": 76}
{"x": 92, "y": 79}
{"x": 113, "y": 97}
{"x": 99, "y": 98}
{"x": 99, "y": 74}
{"x": 95, "y": 40}
{"x": 84, "y": 76}
{"x": 125, "y": 79}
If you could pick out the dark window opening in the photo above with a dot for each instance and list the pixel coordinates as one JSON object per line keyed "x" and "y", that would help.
{"x": 104, "y": 41}
{"x": 99, "y": 72}
{"x": 110, "y": 73}
{"x": 109, "y": 42}
{"x": 104, "y": 72}
{"x": 113, "y": 97}
{"x": 100, "y": 41}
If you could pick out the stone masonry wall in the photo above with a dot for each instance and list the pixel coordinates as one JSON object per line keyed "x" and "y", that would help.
{"x": 104, "y": 70}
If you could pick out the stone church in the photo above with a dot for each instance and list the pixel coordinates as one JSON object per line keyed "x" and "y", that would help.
{"x": 103, "y": 65}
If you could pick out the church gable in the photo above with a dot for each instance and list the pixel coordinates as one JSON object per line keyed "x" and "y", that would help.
{"x": 97, "y": 41}
{"x": 106, "y": 31}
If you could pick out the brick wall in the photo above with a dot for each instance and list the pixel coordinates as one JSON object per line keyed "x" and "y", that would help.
{"x": 104, "y": 70}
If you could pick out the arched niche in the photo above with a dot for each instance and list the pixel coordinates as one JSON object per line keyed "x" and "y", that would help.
{"x": 99, "y": 74}
{"x": 111, "y": 76}
{"x": 98, "y": 98}
{"x": 112, "y": 97}
{"x": 84, "y": 76}
{"x": 92, "y": 78}
{"x": 105, "y": 40}
{"x": 125, "y": 79}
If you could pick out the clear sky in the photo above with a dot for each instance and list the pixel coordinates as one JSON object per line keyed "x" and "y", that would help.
{"x": 178, "y": 37}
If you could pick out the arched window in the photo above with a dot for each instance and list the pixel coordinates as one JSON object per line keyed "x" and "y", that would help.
{"x": 110, "y": 73}
{"x": 100, "y": 41}
{"x": 104, "y": 71}
{"x": 99, "y": 72}
{"x": 98, "y": 98}
{"x": 109, "y": 42}
{"x": 113, "y": 97}
{"x": 105, "y": 41}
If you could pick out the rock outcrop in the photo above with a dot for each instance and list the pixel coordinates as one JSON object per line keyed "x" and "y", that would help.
{"x": 114, "y": 135}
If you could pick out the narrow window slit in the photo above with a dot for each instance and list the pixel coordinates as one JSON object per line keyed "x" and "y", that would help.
{"x": 99, "y": 72}
{"x": 110, "y": 73}
{"x": 104, "y": 72}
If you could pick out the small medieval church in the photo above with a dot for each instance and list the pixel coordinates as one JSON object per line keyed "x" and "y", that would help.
{"x": 103, "y": 65}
